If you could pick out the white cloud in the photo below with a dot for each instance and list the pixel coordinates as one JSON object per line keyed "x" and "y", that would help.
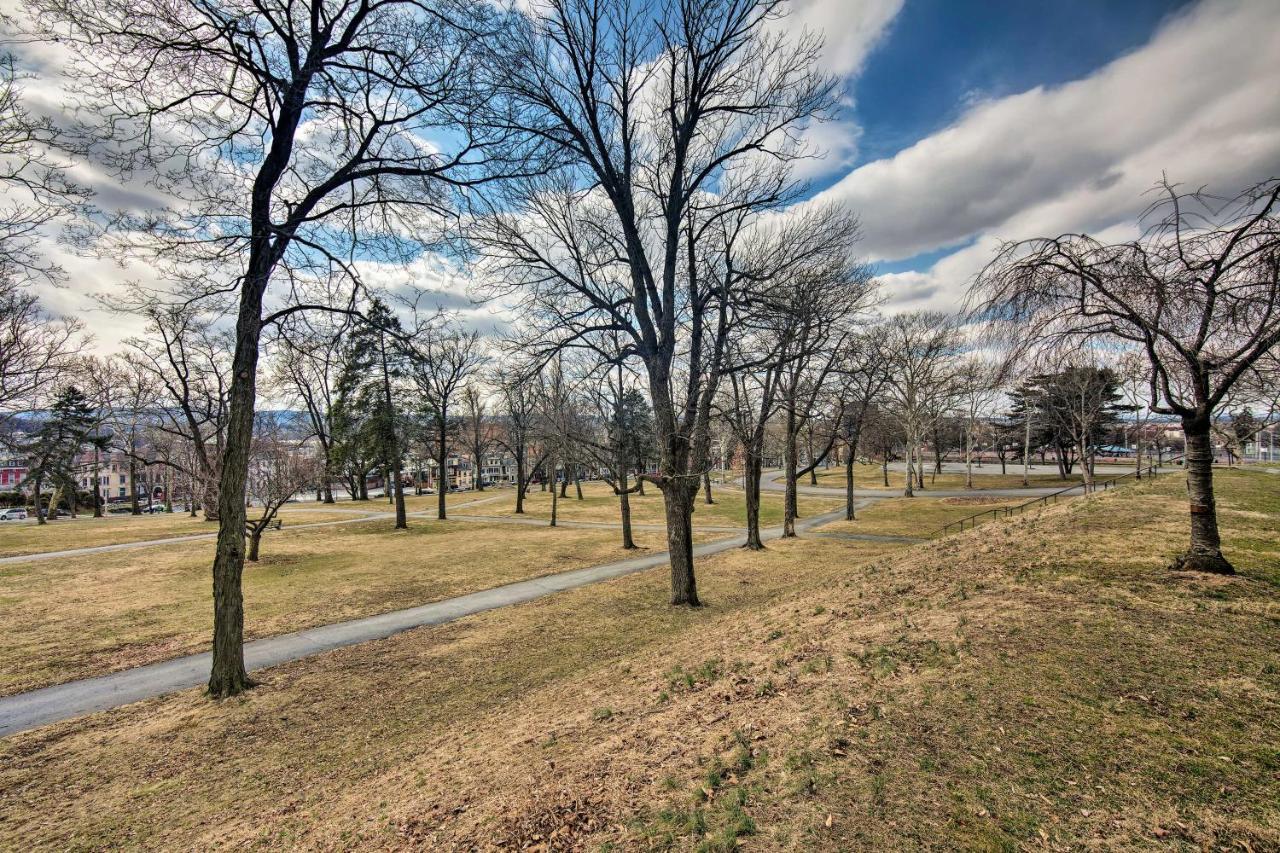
{"x": 1198, "y": 102}
{"x": 849, "y": 28}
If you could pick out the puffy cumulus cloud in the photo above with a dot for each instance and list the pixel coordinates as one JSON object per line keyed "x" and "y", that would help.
{"x": 433, "y": 281}
{"x": 1198, "y": 102}
{"x": 849, "y": 28}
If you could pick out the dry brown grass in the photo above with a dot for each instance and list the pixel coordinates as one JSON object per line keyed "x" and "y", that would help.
{"x": 870, "y": 477}
{"x": 599, "y": 504}
{"x": 85, "y": 615}
{"x": 918, "y": 516}
{"x": 1041, "y": 683}
{"x": 22, "y": 538}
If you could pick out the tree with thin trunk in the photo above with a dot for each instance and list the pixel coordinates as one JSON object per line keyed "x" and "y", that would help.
{"x": 863, "y": 369}
{"x": 293, "y": 132}
{"x": 477, "y": 435}
{"x": 278, "y": 470}
{"x": 1198, "y": 293}
{"x": 924, "y": 349}
{"x": 307, "y": 363}
{"x": 443, "y": 359}
{"x": 671, "y": 126}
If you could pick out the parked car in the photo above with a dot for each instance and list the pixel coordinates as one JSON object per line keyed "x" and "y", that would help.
{"x": 62, "y": 513}
{"x": 13, "y": 513}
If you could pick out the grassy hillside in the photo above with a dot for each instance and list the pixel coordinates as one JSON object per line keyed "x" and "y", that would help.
{"x": 1045, "y": 682}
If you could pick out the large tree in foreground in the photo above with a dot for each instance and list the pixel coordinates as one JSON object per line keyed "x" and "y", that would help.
{"x": 673, "y": 124}
{"x": 292, "y": 132}
{"x": 1198, "y": 292}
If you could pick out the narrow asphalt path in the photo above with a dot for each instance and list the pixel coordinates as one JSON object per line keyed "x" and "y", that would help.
{"x": 770, "y": 482}
{"x": 365, "y": 515}
{"x": 63, "y": 701}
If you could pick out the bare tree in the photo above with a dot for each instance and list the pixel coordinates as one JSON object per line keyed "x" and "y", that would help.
{"x": 278, "y": 470}
{"x": 293, "y": 133}
{"x": 443, "y": 359}
{"x": 477, "y": 438}
{"x": 672, "y": 125}
{"x": 979, "y": 382}
{"x": 924, "y": 347}
{"x": 184, "y": 362}
{"x": 864, "y": 370}
{"x": 306, "y": 368}
{"x": 518, "y": 415}
{"x": 1198, "y": 293}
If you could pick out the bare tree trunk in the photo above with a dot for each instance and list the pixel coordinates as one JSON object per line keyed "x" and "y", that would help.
{"x": 884, "y": 469}
{"x": 813, "y": 472}
{"x": 554, "y": 499}
{"x": 968, "y": 456}
{"x": 442, "y": 461}
{"x": 706, "y": 485}
{"x": 227, "y": 676}
{"x": 577, "y": 482}
{"x": 849, "y": 460}
{"x": 1205, "y": 551}
{"x": 789, "y": 500}
{"x": 908, "y": 490}
{"x": 134, "y": 509}
{"x": 1026, "y": 453}
{"x": 1086, "y": 469}
{"x": 679, "y": 507}
{"x": 97, "y": 483}
{"x": 520, "y": 483}
{"x": 624, "y": 507}
{"x": 752, "y": 466}
{"x": 254, "y": 538}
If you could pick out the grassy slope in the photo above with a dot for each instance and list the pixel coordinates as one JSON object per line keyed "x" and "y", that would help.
{"x": 919, "y": 516}
{"x": 1038, "y": 681}
{"x": 81, "y": 616}
{"x": 987, "y": 477}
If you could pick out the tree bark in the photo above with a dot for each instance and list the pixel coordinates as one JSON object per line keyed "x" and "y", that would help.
{"x": 442, "y": 460}
{"x": 520, "y": 483}
{"x": 678, "y": 498}
{"x": 254, "y": 538}
{"x": 790, "y": 503}
{"x": 97, "y": 483}
{"x": 706, "y": 484}
{"x": 554, "y": 498}
{"x": 1205, "y": 551}
{"x": 624, "y": 507}
{"x": 752, "y": 466}
{"x": 134, "y": 509}
{"x": 908, "y": 490}
{"x": 849, "y": 461}
{"x": 227, "y": 676}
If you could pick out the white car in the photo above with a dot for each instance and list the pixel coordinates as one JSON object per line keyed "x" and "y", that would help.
{"x": 13, "y": 513}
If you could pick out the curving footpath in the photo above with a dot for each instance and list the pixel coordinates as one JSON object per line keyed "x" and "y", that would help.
{"x": 63, "y": 701}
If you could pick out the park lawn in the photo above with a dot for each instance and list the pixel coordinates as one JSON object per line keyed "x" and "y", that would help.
{"x": 918, "y": 516}
{"x": 599, "y": 504}
{"x": 86, "y": 615}
{"x": 22, "y": 538}
{"x": 1052, "y": 686}
{"x": 986, "y": 477}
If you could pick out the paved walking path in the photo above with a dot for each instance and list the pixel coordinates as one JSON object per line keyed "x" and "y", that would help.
{"x": 365, "y": 515}
{"x": 771, "y": 481}
{"x": 60, "y": 702}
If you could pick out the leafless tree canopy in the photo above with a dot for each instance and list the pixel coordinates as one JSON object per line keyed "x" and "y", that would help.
{"x": 1198, "y": 292}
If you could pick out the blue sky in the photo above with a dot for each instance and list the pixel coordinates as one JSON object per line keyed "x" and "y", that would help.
{"x": 938, "y": 56}
{"x": 971, "y": 123}
{"x": 968, "y": 123}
